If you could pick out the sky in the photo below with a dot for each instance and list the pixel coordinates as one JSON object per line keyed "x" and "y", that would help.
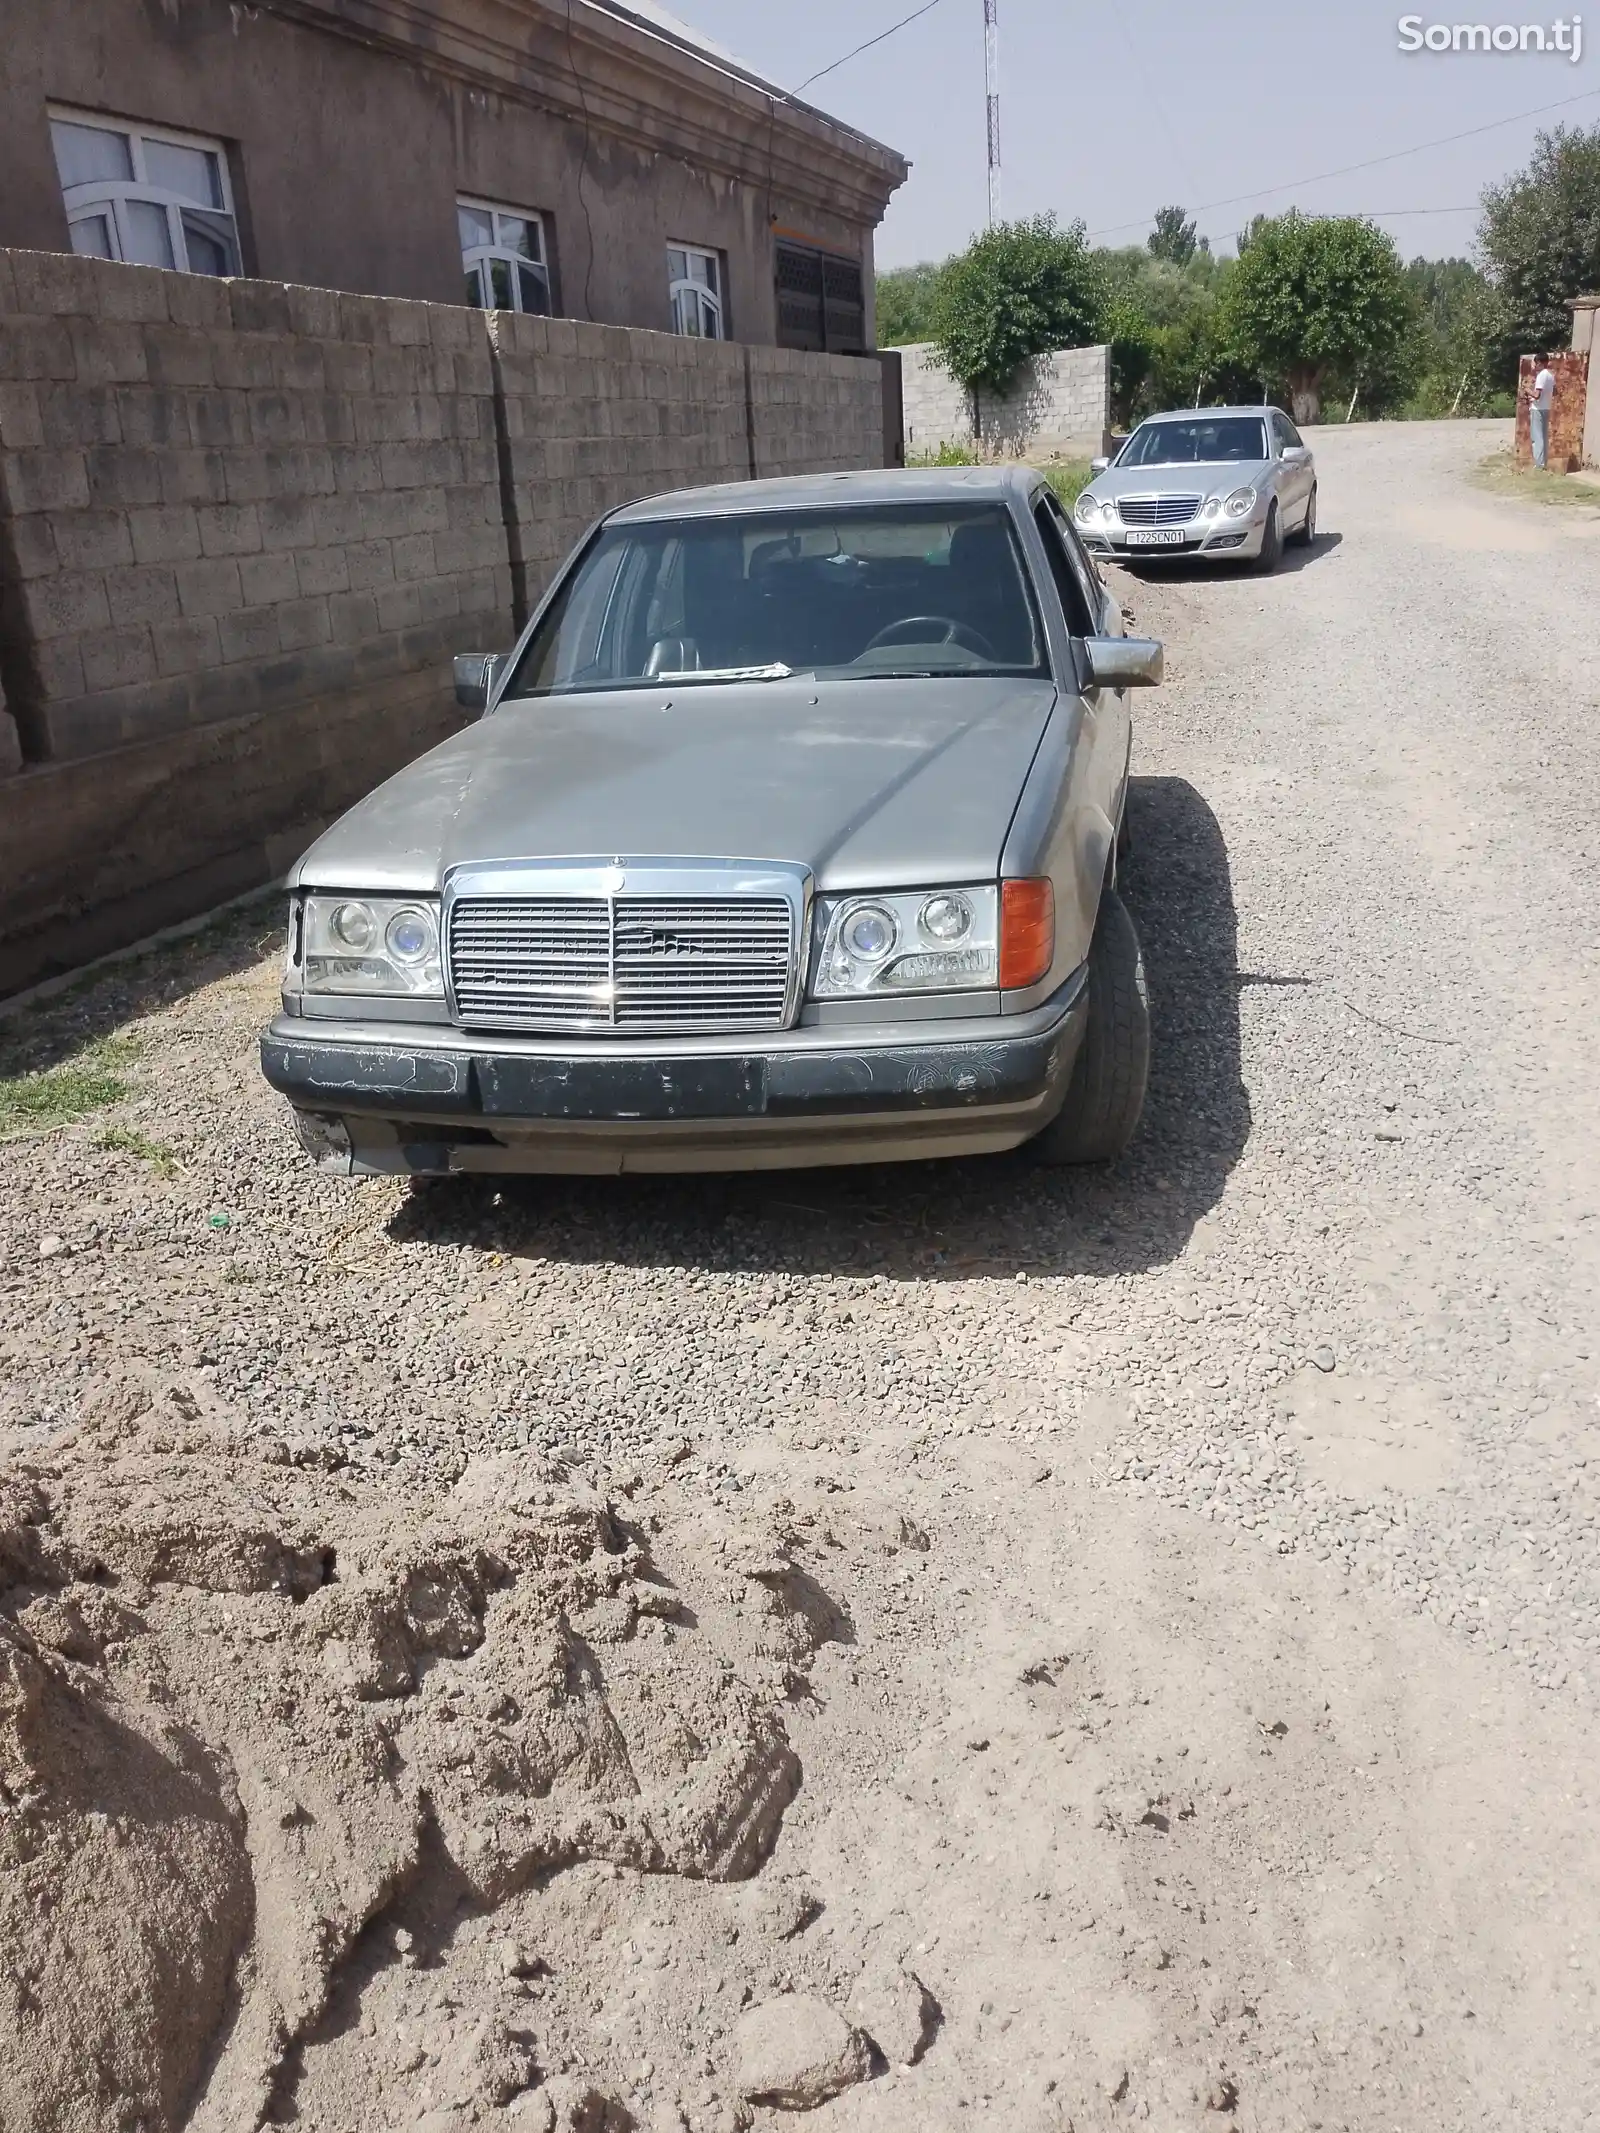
{"x": 1108, "y": 112}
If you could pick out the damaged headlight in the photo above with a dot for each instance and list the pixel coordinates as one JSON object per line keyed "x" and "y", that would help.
{"x": 918, "y": 940}
{"x": 367, "y": 944}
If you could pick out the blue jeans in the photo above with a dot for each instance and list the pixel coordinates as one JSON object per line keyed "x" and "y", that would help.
{"x": 1539, "y": 434}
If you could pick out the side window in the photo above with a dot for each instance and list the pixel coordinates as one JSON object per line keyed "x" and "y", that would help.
{"x": 1075, "y": 581}
{"x": 694, "y": 289}
{"x": 1290, "y": 434}
{"x": 504, "y": 258}
{"x": 152, "y": 198}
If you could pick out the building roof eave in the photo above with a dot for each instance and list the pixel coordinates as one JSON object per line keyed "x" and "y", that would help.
{"x": 601, "y": 67}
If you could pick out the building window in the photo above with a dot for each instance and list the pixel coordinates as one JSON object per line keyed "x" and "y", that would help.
{"x": 149, "y": 197}
{"x": 821, "y": 301}
{"x": 504, "y": 256}
{"x": 694, "y": 283}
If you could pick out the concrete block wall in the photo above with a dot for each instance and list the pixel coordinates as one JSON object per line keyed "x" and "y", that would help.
{"x": 593, "y": 416}
{"x": 243, "y": 525}
{"x": 1058, "y": 407}
{"x": 224, "y": 497}
{"x": 810, "y": 413}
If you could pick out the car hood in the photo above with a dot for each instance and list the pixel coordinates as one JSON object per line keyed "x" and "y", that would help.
{"x": 1205, "y": 478}
{"x": 869, "y": 783}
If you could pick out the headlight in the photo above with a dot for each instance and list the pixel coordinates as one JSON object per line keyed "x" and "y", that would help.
{"x": 1211, "y": 506}
{"x": 1241, "y": 503}
{"x": 367, "y": 944}
{"x": 916, "y": 940}
{"x": 1087, "y": 509}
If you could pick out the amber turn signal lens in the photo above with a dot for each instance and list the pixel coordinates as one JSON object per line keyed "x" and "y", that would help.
{"x": 1027, "y": 932}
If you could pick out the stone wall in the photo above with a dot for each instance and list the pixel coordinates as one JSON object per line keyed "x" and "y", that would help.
{"x": 1058, "y": 408}
{"x": 243, "y": 525}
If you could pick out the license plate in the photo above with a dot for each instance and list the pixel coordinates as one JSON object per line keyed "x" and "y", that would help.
{"x": 1156, "y": 537}
{"x": 617, "y": 1089}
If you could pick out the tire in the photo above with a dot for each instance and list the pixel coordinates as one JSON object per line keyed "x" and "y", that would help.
{"x": 1271, "y": 544}
{"x": 1308, "y": 532}
{"x": 1106, "y": 1094}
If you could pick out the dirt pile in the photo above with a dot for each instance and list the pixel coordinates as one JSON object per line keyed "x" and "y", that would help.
{"x": 251, "y": 1713}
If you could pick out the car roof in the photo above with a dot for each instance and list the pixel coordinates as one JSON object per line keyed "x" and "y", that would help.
{"x": 1203, "y": 414}
{"x": 876, "y": 485}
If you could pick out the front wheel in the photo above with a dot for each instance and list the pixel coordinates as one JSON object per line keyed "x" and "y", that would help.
{"x": 1106, "y": 1096}
{"x": 1271, "y": 543}
{"x": 1308, "y": 532}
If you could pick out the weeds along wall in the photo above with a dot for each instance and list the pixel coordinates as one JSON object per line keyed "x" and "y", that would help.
{"x": 243, "y": 526}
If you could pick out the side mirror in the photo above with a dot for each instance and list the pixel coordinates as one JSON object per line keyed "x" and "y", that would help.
{"x": 477, "y": 675}
{"x": 1098, "y": 466}
{"x": 1125, "y": 662}
{"x": 1295, "y": 452}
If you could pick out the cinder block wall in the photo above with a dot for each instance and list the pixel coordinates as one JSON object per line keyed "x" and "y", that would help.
{"x": 810, "y": 413}
{"x": 1059, "y": 406}
{"x": 594, "y": 415}
{"x": 243, "y": 525}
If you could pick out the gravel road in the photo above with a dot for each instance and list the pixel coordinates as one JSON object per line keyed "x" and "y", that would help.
{"x": 1328, "y": 1337}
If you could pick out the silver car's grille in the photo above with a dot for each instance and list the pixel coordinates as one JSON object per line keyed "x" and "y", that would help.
{"x": 1157, "y": 510}
{"x": 621, "y": 963}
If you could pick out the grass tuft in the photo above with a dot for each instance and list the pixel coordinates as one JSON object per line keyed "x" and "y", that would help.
{"x": 1501, "y": 474}
{"x": 123, "y": 1140}
{"x": 1068, "y": 480}
{"x": 53, "y": 1096}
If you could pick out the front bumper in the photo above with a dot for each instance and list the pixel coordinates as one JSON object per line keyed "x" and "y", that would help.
{"x": 387, "y": 1098}
{"x": 1221, "y": 540}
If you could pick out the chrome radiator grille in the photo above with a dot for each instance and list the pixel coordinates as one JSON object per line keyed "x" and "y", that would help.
{"x": 625, "y": 963}
{"x": 1157, "y": 510}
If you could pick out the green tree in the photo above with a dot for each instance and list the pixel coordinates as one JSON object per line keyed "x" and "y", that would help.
{"x": 1319, "y": 304}
{"x": 1018, "y": 290}
{"x": 905, "y": 300}
{"x": 1457, "y": 327}
{"x": 1134, "y": 342}
{"x": 1540, "y": 241}
{"x": 1175, "y": 237}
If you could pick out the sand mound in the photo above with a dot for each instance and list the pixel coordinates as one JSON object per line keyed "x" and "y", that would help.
{"x": 246, "y": 1707}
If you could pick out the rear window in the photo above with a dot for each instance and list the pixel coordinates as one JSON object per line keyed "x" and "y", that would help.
{"x": 875, "y": 590}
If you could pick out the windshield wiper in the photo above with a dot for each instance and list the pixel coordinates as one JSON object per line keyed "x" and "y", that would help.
{"x": 777, "y": 671}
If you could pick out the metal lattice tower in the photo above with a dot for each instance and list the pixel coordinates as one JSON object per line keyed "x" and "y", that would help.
{"x": 991, "y": 80}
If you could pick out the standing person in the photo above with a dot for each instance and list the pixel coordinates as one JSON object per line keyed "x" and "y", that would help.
{"x": 1540, "y": 402}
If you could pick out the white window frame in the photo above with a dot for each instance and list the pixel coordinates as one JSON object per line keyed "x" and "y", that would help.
{"x": 105, "y": 200}
{"x": 478, "y": 260}
{"x": 707, "y": 300}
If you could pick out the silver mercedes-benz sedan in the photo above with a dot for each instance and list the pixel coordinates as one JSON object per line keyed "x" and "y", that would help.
{"x": 788, "y": 834}
{"x": 1230, "y": 483}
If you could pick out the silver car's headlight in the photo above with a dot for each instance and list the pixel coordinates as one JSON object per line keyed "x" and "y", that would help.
{"x": 1087, "y": 509}
{"x": 368, "y": 944}
{"x": 1211, "y": 507}
{"x": 1240, "y": 504}
{"x": 910, "y": 940}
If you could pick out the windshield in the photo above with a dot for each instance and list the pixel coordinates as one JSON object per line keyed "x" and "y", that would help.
{"x": 874, "y": 590}
{"x": 1207, "y": 440}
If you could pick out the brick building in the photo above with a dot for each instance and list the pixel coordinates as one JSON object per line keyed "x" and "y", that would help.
{"x": 579, "y": 158}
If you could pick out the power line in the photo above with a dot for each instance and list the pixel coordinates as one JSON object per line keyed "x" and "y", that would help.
{"x": 1369, "y": 163}
{"x": 834, "y": 65}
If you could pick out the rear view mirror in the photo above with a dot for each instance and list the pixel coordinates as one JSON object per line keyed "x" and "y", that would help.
{"x": 1098, "y": 466}
{"x": 476, "y": 677}
{"x": 1124, "y": 662}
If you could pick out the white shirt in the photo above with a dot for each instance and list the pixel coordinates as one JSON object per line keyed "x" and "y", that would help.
{"x": 1544, "y": 388}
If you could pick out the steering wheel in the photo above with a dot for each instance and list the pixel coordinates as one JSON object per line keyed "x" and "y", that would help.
{"x": 914, "y": 629}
